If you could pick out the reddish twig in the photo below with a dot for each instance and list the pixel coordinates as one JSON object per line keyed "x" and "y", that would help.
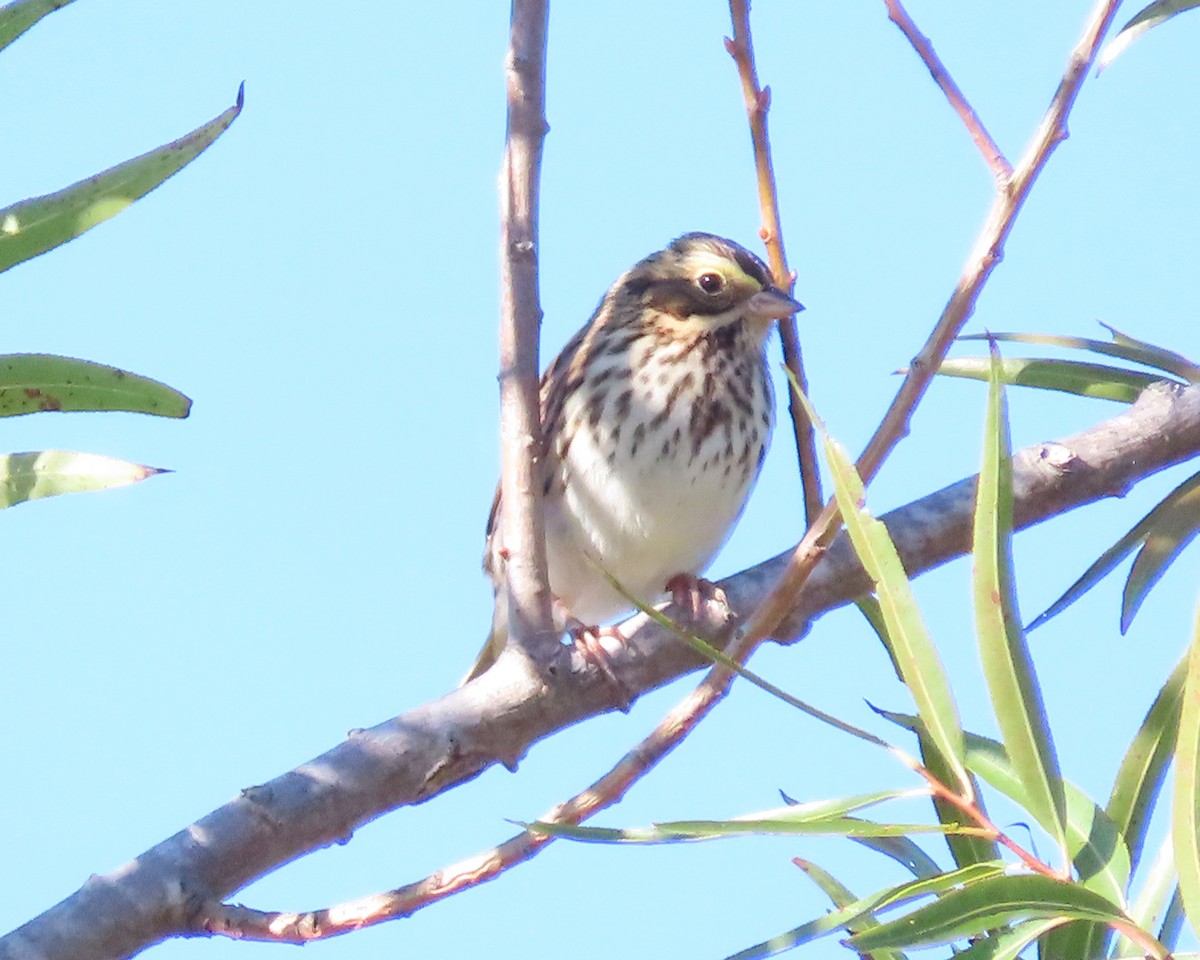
{"x": 520, "y": 323}
{"x": 758, "y": 100}
{"x": 992, "y": 154}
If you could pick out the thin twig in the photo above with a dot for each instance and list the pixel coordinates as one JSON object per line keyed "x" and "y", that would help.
{"x": 520, "y": 322}
{"x": 992, "y": 154}
{"x": 758, "y": 101}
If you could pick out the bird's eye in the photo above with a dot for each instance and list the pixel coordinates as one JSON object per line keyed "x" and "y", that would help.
{"x": 711, "y": 282}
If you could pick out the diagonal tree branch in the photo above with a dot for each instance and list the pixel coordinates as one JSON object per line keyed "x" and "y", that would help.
{"x": 174, "y": 888}
{"x": 992, "y": 154}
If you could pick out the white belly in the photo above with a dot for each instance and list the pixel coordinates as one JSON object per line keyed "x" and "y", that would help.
{"x": 662, "y": 508}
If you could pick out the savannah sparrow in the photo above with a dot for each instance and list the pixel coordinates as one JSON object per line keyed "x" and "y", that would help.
{"x": 656, "y": 417}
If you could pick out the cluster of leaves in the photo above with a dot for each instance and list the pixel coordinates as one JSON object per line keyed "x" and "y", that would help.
{"x": 32, "y": 383}
{"x": 997, "y": 897}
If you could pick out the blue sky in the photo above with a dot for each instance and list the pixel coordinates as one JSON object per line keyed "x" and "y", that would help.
{"x": 323, "y": 284}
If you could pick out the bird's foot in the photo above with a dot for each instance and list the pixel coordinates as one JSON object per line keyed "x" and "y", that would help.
{"x": 693, "y": 594}
{"x": 589, "y": 642}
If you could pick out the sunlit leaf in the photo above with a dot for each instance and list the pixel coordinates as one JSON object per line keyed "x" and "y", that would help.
{"x": 1007, "y": 944}
{"x": 1157, "y": 518}
{"x": 840, "y": 895}
{"x": 823, "y": 818}
{"x": 1175, "y": 526}
{"x": 966, "y": 849}
{"x": 1007, "y": 664}
{"x": 32, "y": 227}
{"x": 1185, "y": 806}
{"x": 49, "y": 473}
{"x": 1122, "y": 346}
{"x": 1144, "y": 767}
{"x": 1153, "y": 907}
{"x": 913, "y": 649}
{"x": 987, "y": 905}
{"x": 36, "y": 382}
{"x": 1097, "y": 851}
{"x": 1066, "y": 376}
{"x": 905, "y": 852}
{"x": 1147, "y": 17}
{"x": 890, "y": 896}
{"x": 20, "y": 15}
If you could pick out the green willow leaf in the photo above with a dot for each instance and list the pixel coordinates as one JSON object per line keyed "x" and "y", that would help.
{"x": 839, "y": 894}
{"x": 1096, "y": 848}
{"x": 1122, "y": 346}
{"x": 1093, "y": 380}
{"x": 32, "y": 227}
{"x": 967, "y": 849}
{"x": 987, "y": 905}
{"x": 1185, "y": 806}
{"x": 1175, "y": 526}
{"x": 1007, "y": 664}
{"x": 20, "y": 15}
{"x": 913, "y": 648}
{"x": 36, "y": 382}
{"x": 1156, "y": 520}
{"x": 50, "y": 473}
{"x": 869, "y": 905}
{"x": 1007, "y": 944}
{"x": 1144, "y": 768}
{"x": 905, "y": 852}
{"x": 1157, "y": 903}
{"x": 1147, "y": 17}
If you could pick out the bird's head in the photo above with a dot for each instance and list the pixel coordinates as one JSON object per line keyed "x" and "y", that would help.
{"x": 702, "y": 280}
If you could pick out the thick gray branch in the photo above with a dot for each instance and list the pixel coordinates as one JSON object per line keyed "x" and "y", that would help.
{"x": 496, "y": 718}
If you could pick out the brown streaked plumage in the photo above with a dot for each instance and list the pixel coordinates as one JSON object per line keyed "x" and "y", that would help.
{"x": 656, "y": 415}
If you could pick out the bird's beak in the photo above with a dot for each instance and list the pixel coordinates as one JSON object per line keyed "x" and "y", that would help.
{"x": 772, "y": 304}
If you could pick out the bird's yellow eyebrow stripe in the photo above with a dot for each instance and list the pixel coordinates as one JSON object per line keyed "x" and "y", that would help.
{"x": 704, "y": 262}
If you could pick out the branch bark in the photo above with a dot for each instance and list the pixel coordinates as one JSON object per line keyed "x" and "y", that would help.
{"x": 530, "y": 623}
{"x": 495, "y": 719}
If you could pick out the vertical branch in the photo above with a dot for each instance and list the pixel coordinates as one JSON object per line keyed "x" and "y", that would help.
{"x": 520, "y": 323}
{"x": 758, "y": 101}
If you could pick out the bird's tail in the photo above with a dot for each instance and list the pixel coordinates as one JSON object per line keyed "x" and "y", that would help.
{"x": 492, "y": 647}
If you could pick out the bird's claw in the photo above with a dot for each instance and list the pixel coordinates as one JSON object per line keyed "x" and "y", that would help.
{"x": 693, "y": 594}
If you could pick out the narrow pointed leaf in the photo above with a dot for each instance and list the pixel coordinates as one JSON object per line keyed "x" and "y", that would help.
{"x": 1147, "y": 17}
{"x": 914, "y": 651}
{"x": 1160, "y": 890}
{"x": 1185, "y": 807}
{"x": 840, "y": 895}
{"x": 869, "y": 905}
{"x": 966, "y": 849}
{"x": 32, "y": 227}
{"x": 1093, "y": 380}
{"x": 32, "y": 476}
{"x": 905, "y": 852}
{"x": 1175, "y": 527}
{"x": 1007, "y": 665}
{"x": 1112, "y": 557}
{"x": 1096, "y": 848}
{"x": 37, "y": 382}
{"x": 1008, "y": 944}
{"x": 987, "y": 905}
{"x": 718, "y": 656}
{"x": 1144, "y": 768}
{"x": 1122, "y": 346}
{"x": 20, "y": 15}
